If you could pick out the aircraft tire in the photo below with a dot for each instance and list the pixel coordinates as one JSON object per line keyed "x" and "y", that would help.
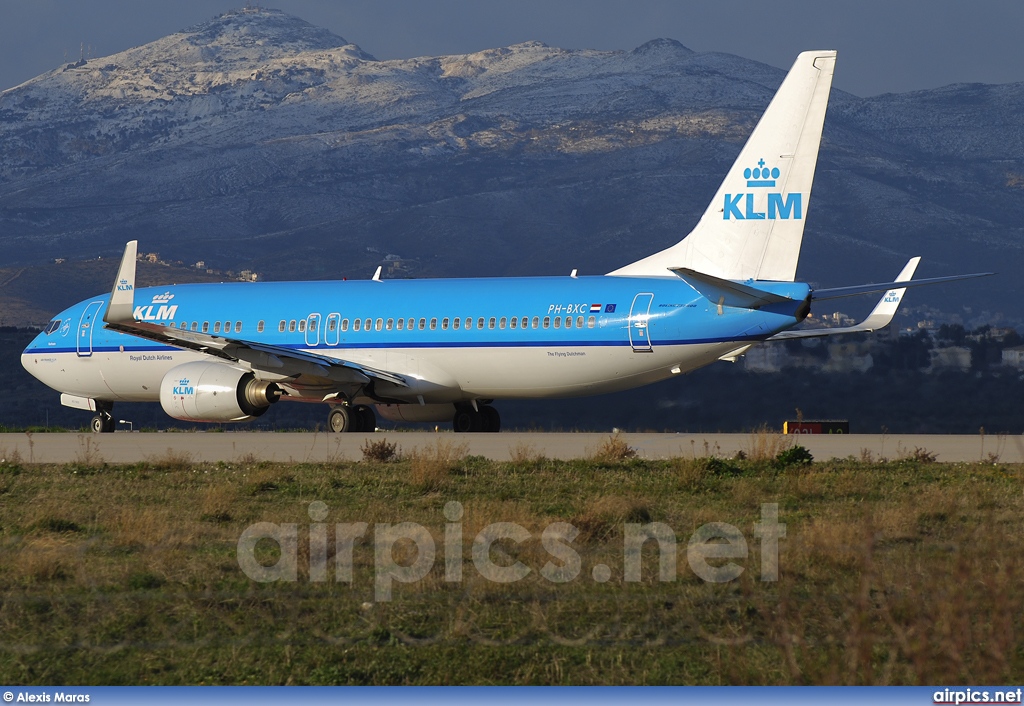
{"x": 102, "y": 424}
{"x": 339, "y": 419}
{"x": 491, "y": 420}
{"x": 466, "y": 420}
{"x": 367, "y": 420}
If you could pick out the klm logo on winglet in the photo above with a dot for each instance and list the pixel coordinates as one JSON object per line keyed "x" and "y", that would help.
{"x": 780, "y": 206}
{"x": 124, "y": 286}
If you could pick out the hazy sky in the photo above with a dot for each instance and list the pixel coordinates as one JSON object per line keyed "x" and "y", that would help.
{"x": 884, "y": 45}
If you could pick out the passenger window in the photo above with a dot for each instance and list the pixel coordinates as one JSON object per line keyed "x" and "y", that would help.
{"x": 455, "y": 323}
{"x": 227, "y": 327}
{"x": 380, "y": 324}
{"x": 280, "y": 326}
{"x": 302, "y": 325}
{"x": 259, "y": 327}
{"x": 433, "y": 324}
{"x": 568, "y": 322}
{"x": 558, "y": 322}
{"x": 444, "y": 323}
{"x": 390, "y": 324}
{"x": 332, "y": 324}
{"x": 357, "y": 324}
{"x": 216, "y": 327}
{"x": 412, "y": 324}
{"x": 590, "y": 322}
{"x": 490, "y": 322}
{"x": 206, "y": 326}
{"x": 423, "y": 324}
{"x": 547, "y": 321}
{"x": 524, "y": 322}
{"x": 238, "y": 327}
{"x": 291, "y": 325}
{"x": 579, "y": 322}
{"x": 501, "y": 324}
{"x": 469, "y": 322}
{"x": 480, "y": 322}
{"x": 512, "y": 322}
{"x": 536, "y": 321}
{"x": 366, "y": 324}
{"x": 401, "y": 324}
{"x": 344, "y": 324}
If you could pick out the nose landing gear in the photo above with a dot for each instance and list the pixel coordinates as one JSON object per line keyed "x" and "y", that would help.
{"x": 103, "y": 422}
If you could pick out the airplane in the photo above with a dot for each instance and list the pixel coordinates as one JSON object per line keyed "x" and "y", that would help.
{"x": 444, "y": 349}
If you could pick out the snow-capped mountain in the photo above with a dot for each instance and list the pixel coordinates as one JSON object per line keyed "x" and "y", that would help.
{"x": 257, "y": 140}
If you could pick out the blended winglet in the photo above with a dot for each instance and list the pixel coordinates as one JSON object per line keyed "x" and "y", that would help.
{"x": 122, "y": 297}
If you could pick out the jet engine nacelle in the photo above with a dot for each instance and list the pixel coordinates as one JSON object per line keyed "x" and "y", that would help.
{"x": 215, "y": 392}
{"x": 417, "y": 412}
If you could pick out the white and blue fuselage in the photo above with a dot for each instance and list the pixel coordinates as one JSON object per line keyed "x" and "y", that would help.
{"x": 457, "y": 339}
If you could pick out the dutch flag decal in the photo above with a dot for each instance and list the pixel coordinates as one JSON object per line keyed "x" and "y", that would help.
{"x": 595, "y": 308}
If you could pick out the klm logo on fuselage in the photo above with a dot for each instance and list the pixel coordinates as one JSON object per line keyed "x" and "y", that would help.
{"x": 159, "y": 310}
{"x": 184, "y": 388}
{"x": 742, "y": 206}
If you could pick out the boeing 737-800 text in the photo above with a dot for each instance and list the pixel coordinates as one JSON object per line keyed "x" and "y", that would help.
{"x": 445, "y": 349}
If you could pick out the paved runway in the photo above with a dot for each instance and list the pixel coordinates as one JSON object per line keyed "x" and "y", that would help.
{"x": 319, "y": 447}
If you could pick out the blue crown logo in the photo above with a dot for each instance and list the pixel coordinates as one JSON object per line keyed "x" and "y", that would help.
{"x": 761, "y": 175}
{"x": 183, "y": 381}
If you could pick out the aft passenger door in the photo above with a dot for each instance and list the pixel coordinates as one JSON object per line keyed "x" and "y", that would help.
{"x": 639, "y": 315}
{"x": 312, "y": 329}
{"x": 86, "y": 326}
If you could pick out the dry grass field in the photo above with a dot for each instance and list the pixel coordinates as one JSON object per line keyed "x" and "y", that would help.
{"x": 890, "y": 572}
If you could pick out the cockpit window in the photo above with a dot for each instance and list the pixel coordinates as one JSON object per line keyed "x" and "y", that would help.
{"x": 52, "y": 326}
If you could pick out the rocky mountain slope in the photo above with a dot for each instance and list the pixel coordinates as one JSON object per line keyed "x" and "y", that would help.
{"x": 259, "y": 141}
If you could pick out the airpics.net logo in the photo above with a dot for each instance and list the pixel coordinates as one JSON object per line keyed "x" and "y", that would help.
{"x": 713, "y": 550}
{"x": 744, "y": 206}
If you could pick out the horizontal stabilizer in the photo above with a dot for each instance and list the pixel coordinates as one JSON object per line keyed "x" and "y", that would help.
{"x": 724, "y": 292}
{"x": 838, "y": 292}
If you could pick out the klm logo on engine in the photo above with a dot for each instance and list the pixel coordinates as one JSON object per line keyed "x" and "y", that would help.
{"x": 184, "y": 388}
{"x": 742, "y": 207}
{"x": 159, "y": 310}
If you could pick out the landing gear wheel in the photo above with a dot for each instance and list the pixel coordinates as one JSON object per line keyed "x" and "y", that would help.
{"x": 490, "y": 419}
{"x": 466, "y": 419}
{"x": 102, "y": 424}
{"x": 339, "y": 420}
{"x": 367, "y": 420}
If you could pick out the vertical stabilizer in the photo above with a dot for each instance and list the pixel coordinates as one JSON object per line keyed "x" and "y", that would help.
{"x": 753, "y": 227}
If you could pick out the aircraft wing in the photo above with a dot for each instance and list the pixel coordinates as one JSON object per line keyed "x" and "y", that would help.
{"x": 277, "y": 360}
{"x": 880, "y": 316}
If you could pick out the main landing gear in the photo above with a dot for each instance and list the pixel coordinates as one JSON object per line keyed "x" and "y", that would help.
{"x": 357, "y": 418}
{"x": 483, "y": 418}
{"x": 103, "y": 422}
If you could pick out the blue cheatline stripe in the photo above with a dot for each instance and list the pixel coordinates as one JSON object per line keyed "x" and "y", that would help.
{"x": 399, "y": 345}
{"x": 536, "y": 696}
